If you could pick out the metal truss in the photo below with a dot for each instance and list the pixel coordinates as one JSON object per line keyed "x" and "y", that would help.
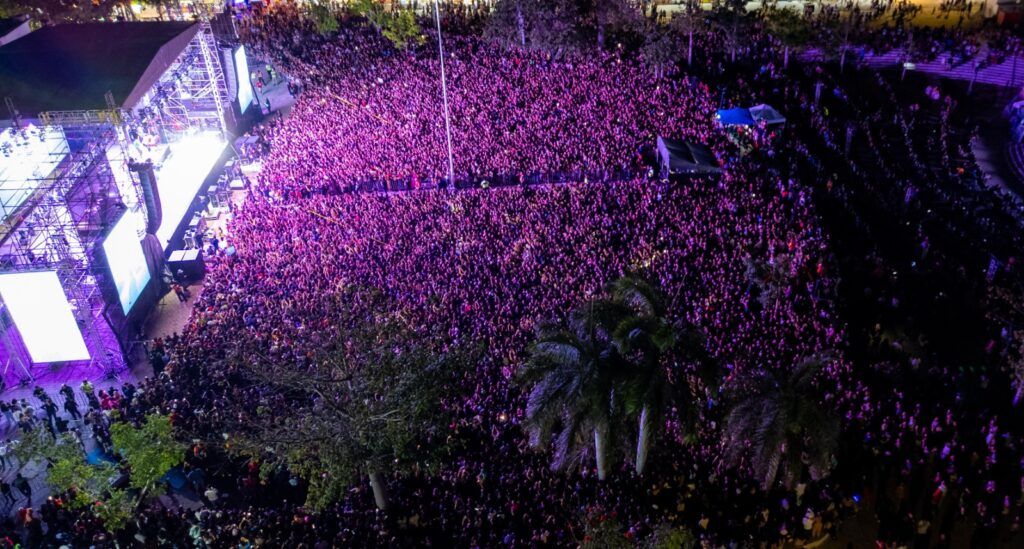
{"x": 192, "y": 93}
{"x": 61, "y": 194}
{"x": 64, "y": 183}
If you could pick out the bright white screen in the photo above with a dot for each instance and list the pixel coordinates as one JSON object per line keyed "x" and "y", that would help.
{"x": 180, "y": 177}
{"x": 245, "y": 94}
{"x": 29, "y": 157}
{"x": 40, "y": 310}
{"x": 127, "y": 263}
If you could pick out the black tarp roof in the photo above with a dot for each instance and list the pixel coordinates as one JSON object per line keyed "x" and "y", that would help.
{"x": 7, "y": 24}
{"x": 72, "y": 66}
{"x": 686, "y": 157}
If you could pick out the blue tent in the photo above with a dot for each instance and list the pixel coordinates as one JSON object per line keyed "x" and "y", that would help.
{"x": 735, "y": 117}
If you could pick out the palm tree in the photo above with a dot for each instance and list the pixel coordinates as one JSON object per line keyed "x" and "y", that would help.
{"x": 782, "y": 426}
{"x": 574, "y": 373}
{"x": 730, "y": 15}
{"x": 614, "y": 14}
{"x": 660, "y": 50}
{"x": 607, "y": 368}
{"x": 688, "y": 21}
{"x": 644, "y": 336}
{"x": 789, "y": 28}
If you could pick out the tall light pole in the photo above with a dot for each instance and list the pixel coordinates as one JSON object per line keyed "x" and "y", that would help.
{"x": 444, "y": 97}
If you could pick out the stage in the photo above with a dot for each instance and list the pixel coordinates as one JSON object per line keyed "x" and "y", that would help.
{"x": 100, "y": 176}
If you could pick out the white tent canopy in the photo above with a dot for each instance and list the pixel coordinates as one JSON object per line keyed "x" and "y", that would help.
{"x": 767, "y": 114}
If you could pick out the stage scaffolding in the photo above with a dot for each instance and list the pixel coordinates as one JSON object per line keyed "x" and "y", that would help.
{"x": 65, "y": 180}
{"x": 192, "y": 94}
{"x": 61, "y": 194}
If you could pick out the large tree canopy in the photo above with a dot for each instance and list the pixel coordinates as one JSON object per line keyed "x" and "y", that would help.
{"x": 556, "y": 25}
{"x": 368, "y": 405}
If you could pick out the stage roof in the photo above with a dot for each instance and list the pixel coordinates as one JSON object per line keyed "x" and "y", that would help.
{"x": 7, "y": 24}
{"x": 767, "y": 114}
{"x": 72, "y": 66}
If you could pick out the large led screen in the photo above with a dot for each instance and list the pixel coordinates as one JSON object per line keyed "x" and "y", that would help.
{"x": 126, "y": 261}
{"x": 180, "y": 177}
{"x": 41, "y": 312}
{"x": 245, "y": 94}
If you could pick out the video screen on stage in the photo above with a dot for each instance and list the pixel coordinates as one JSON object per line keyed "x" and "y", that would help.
{"x": 42, "y": 314}
{"x": 126, "y": 261}
{"x": 245, "y": 94}
{"x": 182, "y": 175}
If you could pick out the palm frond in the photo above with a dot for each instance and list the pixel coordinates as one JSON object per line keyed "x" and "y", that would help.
{"x": 595, "y": 320}
{"x": 570, "y": 445}
{"x": 804, "y": 371}
{"x": 637, "y": 294}
{"x": 557, "y": 354}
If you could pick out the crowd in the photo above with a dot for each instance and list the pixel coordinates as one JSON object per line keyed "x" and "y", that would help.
{"x": 372, "y": 119}
{"x": 927, "y": 243}
{"x": 861, "y": 231}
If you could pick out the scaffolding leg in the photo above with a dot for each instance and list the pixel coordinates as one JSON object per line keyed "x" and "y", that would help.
{"x": 112, "y": 368}
{"x": 24, "y": 380}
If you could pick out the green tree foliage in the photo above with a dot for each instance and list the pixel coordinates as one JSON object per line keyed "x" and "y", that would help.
{"x": 36, "y": 444}
{"x": 372, "y": 10}
{"x": 403, "y": 30}
{"x": 778, "y": 426}
{"x": 535, "y": 24}
{"x": 369, "y": 405}
{"x": 150, "y": 451}
{"x": 88, "y": 486}
{"x": 574, "y": 373}
{"x": 789, "y": 28}
{"x": 612, "y": 16}
{"x": 771, "y": 278}
{"x": 667, "y": 536}
{"x": 836, "y": 30}
{"x": 660, "y": 50}
{"x": 688, "y": 22}
{"x": 604, "y": 531}
{"x": 115, "y": 509}
{"x": 61, "y": 11}
{"x": 730, "y": 16}
{"x": 643, "y": 336}
{"x": 507, "y": 23}
{"x": 398, "y": 24}
{"x": 324, "y": 16}
{"x": 556, "y": 25}
{"x": 12, "y": 8}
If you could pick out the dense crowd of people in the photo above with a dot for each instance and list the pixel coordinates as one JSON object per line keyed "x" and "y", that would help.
{"x": 488, "y": 265}
{"x": 371, "y": 118}
{"x": 857, "y": 232}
